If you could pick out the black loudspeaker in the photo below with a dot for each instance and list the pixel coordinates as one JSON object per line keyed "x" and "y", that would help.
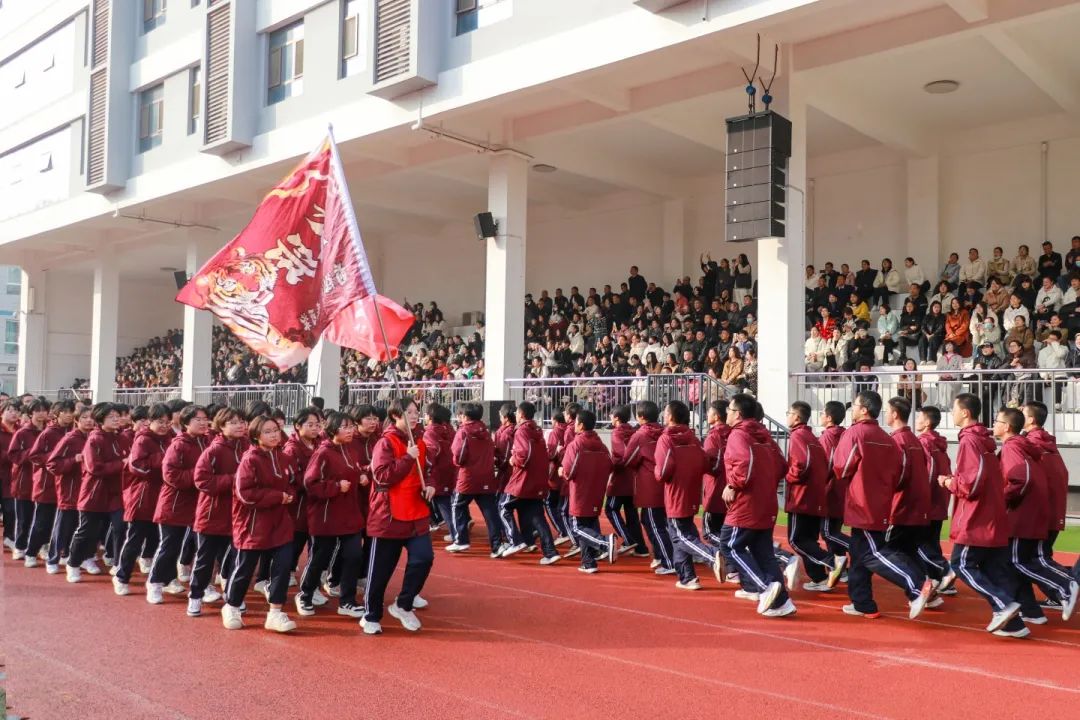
{"x": 181, "y": 279}
{"x": 759, "y": 147}
{"x": 491, "y": 411}
{"x": 486, "y": 227}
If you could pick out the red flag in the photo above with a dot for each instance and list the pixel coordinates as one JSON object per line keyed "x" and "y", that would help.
{"x": 299, "y": 271}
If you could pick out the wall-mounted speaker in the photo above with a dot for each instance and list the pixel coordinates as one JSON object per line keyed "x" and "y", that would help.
{"x": 759, "y": 147}
{"x": 486, "y": 227}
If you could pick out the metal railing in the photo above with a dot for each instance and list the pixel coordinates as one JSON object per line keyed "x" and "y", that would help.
{"x": 290, "y": 398}
{"x": 84, "y": 394}
{"x": 145, "y": 396}
{"x": 1004, "y": 387}
{"x": 423, "y": 392}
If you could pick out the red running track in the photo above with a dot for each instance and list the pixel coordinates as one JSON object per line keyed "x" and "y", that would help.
{"x": 509, "y": 638}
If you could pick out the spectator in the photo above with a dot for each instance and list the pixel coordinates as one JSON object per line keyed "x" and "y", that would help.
{"x": 956, "y": 329}
{"x": 1048, "y": 300}
{"x": 859, "y": 309}
{"x": 986, "y": 330}
{"x": 1015, "y": 310}
{"x": 974, "y": 271}
{"x": 949, "y": 365}
{"x": 950, "y": 272}
{"x": 1022, "y": 334}
{"x": 913, "y": 275}
{"x": 742, "y": 272}
{"x": 1073, "y": 292}
{"x": 910, "y": 386}
{"x": 999, "y": 267}
{"x": 1026, "y": 291}
{"x": 1049, "y": 262}
{"x": 888, "y": 325}
{"x": 864, "y": 280}
{"x": 814, "y": 351}
{"x": 932, "y": 333}
{"x": 1023, "y": 263}
{"x": 944, "y": 295}
{"x": 910, "y": 326}
{"x": 636, "y": 284}
{"x": 750, "y": 372}
{"x": 1072, "y": 258}
{"x": 996, "y": 296}
{"x": 1018, "y": 387}
{"x": 1053, "y": 356}
{"x": 733, "y": 367}
{"x": 886, "y": 283}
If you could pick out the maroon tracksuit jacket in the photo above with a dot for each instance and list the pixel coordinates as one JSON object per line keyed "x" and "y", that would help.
{"x": 22, "y": 470}
{"x": 586, "y": 467}
{"x": 44, "y": 482}
{"x": 1057, "y": 475}
{"x": 215, "y": 475}
{"x": 867, "y": 458}
{"x": 297, "y": 454}
{"x": 622, "y": 478}
{"x": 63, "y": 465}
{"x": 259, "y": 519}
{"x": 504, "y": 442}
{"x": 911, "y": 501}
{"x": 713, "y": 481}
{"x": 807, "y": 474}
{"x": 938, "y": 463}
{"x": 529, "y": 463}
{"x": 1027, "y": 502}
{"x": 102, "y": 466}
{"x": 836, "y": 494}
{"x": 680, "y": 466}
{"x": 979, "y": 518}
{"x": 438, "y": 438}
{"x": 330, "y": 511}
{"x": 474, "y": 456}
{"x": 753, "y": 466}
{"x": 176, "y": 503}
{"x": 143, "y": 472}
{"x": 641, "y": 458}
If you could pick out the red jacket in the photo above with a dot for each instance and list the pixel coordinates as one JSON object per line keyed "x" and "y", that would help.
{"x": 1027, "y": 502}
{"x": 388, "y": 470}
{"x": 555, "y": 450}
{"x": 680, "y": 466}
{"x": 176, "y": 503}
{"x": 867, "y": 458}
{"x": 753, "y": 466}
{"x": 836, "y": 494}
{"x": 1057, "y": 476}
{"x": 44, "y": 482}
{"x": 474, "y": 457}
{"x": 622, "y": 477}
{"x": 504, "y": 442}
{"x": 979, "y": 517}
{"x": 807, "y": 474}
{"x": 438, "y": 437}
{"x": 714, "y": 480}
{"x": 529, "y": 463}
{"x": 5, "y": 464}
{"x": 641, "y": 458}
{"x": 938, "y": 463}
{"x": 143, "y": 487}
{"x": 259, "y": 519}
{"x": 330, "y": 511}
{"x": 22, "y": 470}
{"x": 297, "y": 455}
{"x": 215, "y": 475}
{"x": 103, "y": 462}
{"x": 63, "y": 465}
{"x": 911, "y": 500}
{"x": 363, "y": 448}
{"x": 586, "y": 467}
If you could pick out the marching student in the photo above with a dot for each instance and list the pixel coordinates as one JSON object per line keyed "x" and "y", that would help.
{"x": 528, "y": 485}
{"x": 935, "y": 448}
{"x": 569, "y": 431}
{"x": 215, "y": 475}
{"x": 335, "y": 517}
{"x": 1028, "y": 508}
{"x": 805, "y": 501}
{"x": 175, "y": 511}
{"x": 368, "y": 432}
{"x": 398, "y": 520}
{"x": 980, "y": 525}
{"x": 44, "y": 494}
{"x": 1057, "y": 476}
{"x": 586, "y": 467}
{"x": 474, "y": 457}
{"x": 680, "y": 466}
{"x": 100, "y": 500}
{"x": 22, "y": 474}
{"x": 141, "y": 491}
{"x": 9, "y": 423}
{"x": 65, "y": 464}
{"x": 712, "y": 522}
{"x": 261, "y": 525}
{"x": 619, "y": 506}
{"x": 648, "y": 493}
{"x": 504, "y": 443}
{"x": 553, "y": 501}
{"x": 439, "y": 437}
{"x": 301, "y": 445}
{"x": 753, "y": 466}
{"x": 836, "y": 541}
{"x": 867, "y": 458}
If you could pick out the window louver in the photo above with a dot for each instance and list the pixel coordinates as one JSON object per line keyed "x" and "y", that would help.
{"x": 100, "y": 53}
{"x": 393, "y": 24}
{"x": 99, "y": 86}
{"x": 217, "y": 75}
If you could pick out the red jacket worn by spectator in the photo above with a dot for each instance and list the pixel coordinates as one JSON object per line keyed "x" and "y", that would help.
{"x": 439, "y": 438}
{"x": 143, "y": 472}
{"x": 474, "y": 457}
{"x": 298, "y": 454}
{"x": 641, "y": 459}
{"x": 331, "y": 511}
{"x": 586, "y": 467}
{"x": 807, "y": 474}
{"x": 938, "y": 463}
{"x": 622, "y": 477}
{"x": 911, "y": 501}
{"x": 1027, "y": 503}
{"x": 63, "y": 465}
{"x": 680, "y": 466}
{"x": 836, "y": 493}
{"x": 5, "y": 464}
{"x": 102, "y": 465}
{"x": 1057, "y": 476}
{"x": 22, "y": 470}
{"x": 504, "y": 442}
{"x": 555, "y": 450}
{"x": 215, "y": 475}
{"x": 529, "y": 463}
{"x": 259, "y": 519}
{"x": 867, "y": 459}
{"x": 176, "y": 503}
{"x": 979, "y": 517}
{"x": 44, "y": 482}
{"x": 713, "y": 481}
{"x": 397, "y": 510}
{"x": 753, "y": 466}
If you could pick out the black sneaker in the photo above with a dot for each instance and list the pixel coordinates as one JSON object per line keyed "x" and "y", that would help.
{"x": 351, "y": 610}
{"x": 1051, "y": 605}
{"x": 304, "y": 606}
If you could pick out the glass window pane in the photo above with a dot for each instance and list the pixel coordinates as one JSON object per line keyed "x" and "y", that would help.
{"x": 275, "y": 67}
{"x": 349, "y": 41}
{"x": 299, "y": 59}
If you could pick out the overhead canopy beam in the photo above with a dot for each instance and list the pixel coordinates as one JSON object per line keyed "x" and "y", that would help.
{"x": 848, "y": 108}
{"x": 1046, "y": 75}
{"x": 971, "y": 10}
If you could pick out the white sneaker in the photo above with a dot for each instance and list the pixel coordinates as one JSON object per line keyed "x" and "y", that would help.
{"x": 1034, "y": 620}
{"x": 654, "y": 564}
{"x": 9, "y": 543}
{"x": 262, "y": 587}
{"x": 822, "y": 586}
{"x": 784, "y": 610}
{"x": 665, "y": 571}
{"x": 144, "y": 566}
{"x": 90, "y": 565}
{"x": 292, "y": 579}
{"x": 51, "y": 568}
{"x": 317, "y": 598}
{"x": 1069, "y": 605}
{"x": 733, "y": 578}
{"x": 1021, "y": 633}
{"x": 791, "y": 572}
{"x": 230, "y": 617}
{"x": 113, "y": 570}
{"x": 154, "y": 593}
{"x": 30, "y": 562}
{"x": 331, "y": 591}
{"x": 18, "y": 555}
{"x": 851, "y": 610}
{"x": 919, "y": 604}
{"x": 221, "y": 582}
{"x": 370, "y": 628}
{"x": 935, "y": 602}
{"x": 550, "y": 560}
{"x": 574, "y": 551}
{"x": 303, "y": 607}
{"x": 408, "y": 618}
{"x": 946, "y": 581}
{"x": 562, "y": 540}
{"x": 211, "y": 595}
{"x": 445, "y": 539}
{"x": 513, "y": 549}
{"x": 747, "y": 595}
{"x": 455, "y": 548}
{"x": 278, "y": 621}
{"x": 498, "y": 552}
{"x": 1002, "y": 617}
{"x": 612, "y": 551}
{"x": 43, "y": 554}
{"x": 183, "y": 573}
{"x": 120, "y": 588}
{"x": 74, "y": 574}
{"x": 351, "y": 610}
{"x": 768, "y": 597}
{"x": 719, "y": 567}
{"x": 108, "y": 561}
{"x": 174, "y": 588}
{"x": 419, "y": 603}
{"x": 839, "y": 565}
{"x": 691, "y": 585}
{"x": 194, "y": 607}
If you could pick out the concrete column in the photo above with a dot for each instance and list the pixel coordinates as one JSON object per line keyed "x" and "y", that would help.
{"x": 504, "y": 306}
{"x": 33, "y": 330}
{"x": 674, "y": 248}
{"x": 195, "y": 370}
{"x": 924, "y": 213}
{"x": 104, "y": 330}
{"x": 780, "y": 268}
{"x": 324, "y": 372}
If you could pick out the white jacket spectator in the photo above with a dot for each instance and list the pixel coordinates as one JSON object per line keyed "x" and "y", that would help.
{"x": 973, "y": 271}
{"x": 914, "y": 274}
{"x": 1053, "y": 355}
{"x": 1010, "y": 315}
{"x": 1073, "y": 293}
{"x": 1050, "y": 297}
{"x": 814, "y": 351}
{"x": 891, "y": 280}
{"x": 577, "y": 340}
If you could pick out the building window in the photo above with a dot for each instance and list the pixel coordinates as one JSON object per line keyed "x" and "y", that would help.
{"x": 153, "y": 14}
{"x": 350, "y": 39}
{"x": 195, "y": 101}
{"x": 14, "y": 281}
{"x": 285, "y": 68}
{"x": 11, "y": 337}
{"x": 469, "y": 14}
{"x": 151, "y": 117}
